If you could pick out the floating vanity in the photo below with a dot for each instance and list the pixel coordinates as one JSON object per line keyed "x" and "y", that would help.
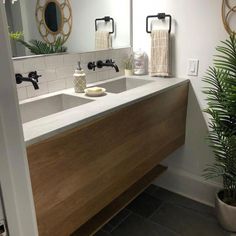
{"x": 89, "y": 157}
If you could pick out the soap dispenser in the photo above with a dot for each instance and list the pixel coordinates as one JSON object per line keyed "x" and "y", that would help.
{"x": 79, "y": 80}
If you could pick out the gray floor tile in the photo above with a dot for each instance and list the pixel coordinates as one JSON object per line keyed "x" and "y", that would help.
{"x": 187, "y": 222}
{"x": 151, "y": 189}
{"x": 136, "y": 225}
{"x": 116, "y": 221}
{"x": 167, "y": 196}
{"x": 144, "y": 205}
{"x": 102, "y": 233}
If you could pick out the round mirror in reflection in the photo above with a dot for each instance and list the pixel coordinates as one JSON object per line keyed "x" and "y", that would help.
{"x": 53, "y": 17}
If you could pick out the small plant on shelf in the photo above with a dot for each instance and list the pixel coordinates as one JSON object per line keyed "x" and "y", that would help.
{"x": 128, "y": 63}
{"x": 128, "y": 66}
{"x": 39, "y": 47}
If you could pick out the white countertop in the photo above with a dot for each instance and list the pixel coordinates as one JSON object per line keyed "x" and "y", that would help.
{"x": 43, "y": 128}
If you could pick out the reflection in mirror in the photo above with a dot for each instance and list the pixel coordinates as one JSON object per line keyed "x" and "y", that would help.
{"x": 52, "y": 16}
{"x": 82, "y": 37}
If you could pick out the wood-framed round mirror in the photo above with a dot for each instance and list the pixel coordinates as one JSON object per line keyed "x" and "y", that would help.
{"x": 228, "y": 12}
{"x": 54, "y": 19}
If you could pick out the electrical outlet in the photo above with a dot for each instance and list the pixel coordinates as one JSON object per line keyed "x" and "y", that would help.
{"x": 193, "y": 65}
{"x": 3, "y": 230}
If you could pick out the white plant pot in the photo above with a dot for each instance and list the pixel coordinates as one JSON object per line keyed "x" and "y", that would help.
{"x": 226, "y": 214}
{"x": 128, "y": 72}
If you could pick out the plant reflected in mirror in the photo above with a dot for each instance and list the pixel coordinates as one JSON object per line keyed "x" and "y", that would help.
{"x": 38, "y": 47}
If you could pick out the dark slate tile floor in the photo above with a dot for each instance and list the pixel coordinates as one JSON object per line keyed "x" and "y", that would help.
{"x": 158, "y": 212}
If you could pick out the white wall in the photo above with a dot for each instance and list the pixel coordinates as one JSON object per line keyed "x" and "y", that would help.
{"x": 30, "y": 28}
{"x": 85, "y": 12}
{"x": 14, "y": 171}
{"x": 1, "y": 207}
{"x": 197, "y": 29}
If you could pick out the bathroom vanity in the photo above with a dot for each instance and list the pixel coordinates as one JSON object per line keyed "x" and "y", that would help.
{"x": 89, "y": 159}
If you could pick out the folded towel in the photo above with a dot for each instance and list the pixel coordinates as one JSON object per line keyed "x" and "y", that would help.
{"x": 102, "y": 40}
{"x": 159, "y": 64}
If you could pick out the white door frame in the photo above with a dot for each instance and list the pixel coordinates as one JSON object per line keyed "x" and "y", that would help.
{"x": 14, "y": 171}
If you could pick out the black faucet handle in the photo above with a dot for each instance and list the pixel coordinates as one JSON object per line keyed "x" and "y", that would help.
{"x": 109, "y": 61}
{"x": 34, "y": 75}
{"x": 19, "y": 78}
{"x": 92, "y": 65}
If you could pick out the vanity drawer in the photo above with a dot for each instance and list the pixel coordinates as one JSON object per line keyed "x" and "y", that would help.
{"x": 79, "y": 172}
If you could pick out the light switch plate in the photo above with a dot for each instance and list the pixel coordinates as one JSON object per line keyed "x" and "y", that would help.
{"x": 193, "y": 65}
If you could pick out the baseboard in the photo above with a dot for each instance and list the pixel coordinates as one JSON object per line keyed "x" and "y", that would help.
{"x": 188, "y": 185}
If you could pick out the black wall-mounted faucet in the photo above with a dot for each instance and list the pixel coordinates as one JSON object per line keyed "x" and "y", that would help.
{"x": 32, "y": 77}
{"x": 109, "y": 63}
{"x": 100, "y": 64}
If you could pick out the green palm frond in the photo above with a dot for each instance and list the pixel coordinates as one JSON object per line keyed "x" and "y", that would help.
{"x": 39, "y": 47}
{"x": 221, "y": 100}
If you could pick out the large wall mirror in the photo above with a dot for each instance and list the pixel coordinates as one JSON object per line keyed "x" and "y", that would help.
{"x": 68, "y": 23}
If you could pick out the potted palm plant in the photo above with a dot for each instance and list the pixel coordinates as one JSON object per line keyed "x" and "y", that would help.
{"x": 221, "y": 98}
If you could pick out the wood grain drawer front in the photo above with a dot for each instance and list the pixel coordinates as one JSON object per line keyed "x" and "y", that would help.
{"x": 76, "y": 174}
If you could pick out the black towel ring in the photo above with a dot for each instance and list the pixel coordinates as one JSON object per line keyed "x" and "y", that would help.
{"x": 106, "y": 19}
{"x": 160, "y": 16}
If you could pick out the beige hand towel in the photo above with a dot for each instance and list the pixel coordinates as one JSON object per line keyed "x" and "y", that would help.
{"x": 159, "y": 64}
{"x": 102, "y": 40}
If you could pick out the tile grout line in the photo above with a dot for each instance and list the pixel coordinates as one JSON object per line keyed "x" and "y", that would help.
{"x": 123, "y": 220}
{"x": 157, "y": 224}
{"x": 203, "y": 213}
{"x": 158, "y": 208}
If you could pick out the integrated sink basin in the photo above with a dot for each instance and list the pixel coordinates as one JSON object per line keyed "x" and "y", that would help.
{"x": 123, "y": 84}
{"x": 50, "y": 105}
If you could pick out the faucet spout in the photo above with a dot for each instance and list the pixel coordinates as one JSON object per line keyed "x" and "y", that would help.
{"x": 116, "y": 67}
{"x": 33, "y": 81}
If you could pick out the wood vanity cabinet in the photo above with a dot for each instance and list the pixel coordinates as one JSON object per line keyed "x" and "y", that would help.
{"x": 90, "y": 170}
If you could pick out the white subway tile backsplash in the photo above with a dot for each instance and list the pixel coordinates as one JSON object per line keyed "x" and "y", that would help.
{"x": 56, "y": 85}
{"x": 22, "y": 93}
{"x": 43, "y": 89}
{"x": 47, "y": 75}
{"x": 103, "y": 75}
{"x": 34, "y": 64}
{"x": 71, "y": 60}
{"x": 124, "y": 53}
{"x": 103, "y": 55}
{"x": 116, "y": 53}
{"x": 91, "y": 78}
{"x": 113, "y": 73}
{"x": 65, "y": 72}
{"x": 69, "y": 83}
{"x": 57, "y": 70}
{"x": 87, "y": 57}
{"x": 19, "y": 67}
{"x": 54, "y": 61}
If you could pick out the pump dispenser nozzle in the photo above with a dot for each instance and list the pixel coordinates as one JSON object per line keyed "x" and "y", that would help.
{"x": 79, "y": 66}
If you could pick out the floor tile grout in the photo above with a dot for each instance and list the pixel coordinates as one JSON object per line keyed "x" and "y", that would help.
{"x": 168, "y": 204}
{"x": 121, "y": 221}
{"x": 155, "y": 223}
{"x": 205, "y": 214}
{"x": 162, "y": 203}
